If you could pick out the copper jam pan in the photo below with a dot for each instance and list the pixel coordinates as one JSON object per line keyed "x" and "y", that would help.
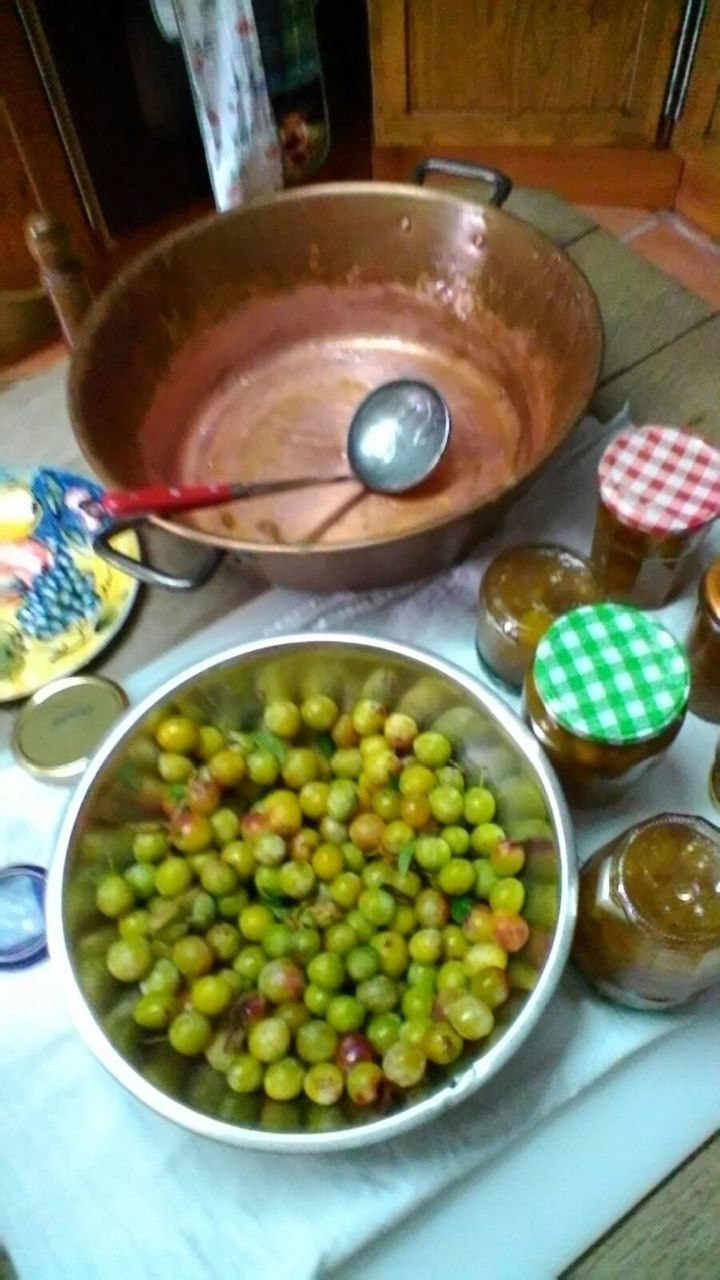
{"x": 237, "y": 349}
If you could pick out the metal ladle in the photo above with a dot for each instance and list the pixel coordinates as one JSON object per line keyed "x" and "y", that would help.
{"x": 397, "y": 436}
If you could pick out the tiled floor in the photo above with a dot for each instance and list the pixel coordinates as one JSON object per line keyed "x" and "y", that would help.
{"x": 667, "y": 239}
{"x": 671, "y": 242}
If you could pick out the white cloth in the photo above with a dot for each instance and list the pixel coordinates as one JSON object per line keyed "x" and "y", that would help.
{"x": 236, "y": 119}
{"x": 164, "y": 14}
{"x": 93, "y": 1185}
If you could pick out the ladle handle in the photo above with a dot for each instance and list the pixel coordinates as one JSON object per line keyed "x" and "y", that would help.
{"x": 161, "y": 499}
{"x": 158, "y": 500}
{"x": 500, "y": 184}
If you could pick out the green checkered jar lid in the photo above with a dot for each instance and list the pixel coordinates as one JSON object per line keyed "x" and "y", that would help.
{"x": 610, "y": 673}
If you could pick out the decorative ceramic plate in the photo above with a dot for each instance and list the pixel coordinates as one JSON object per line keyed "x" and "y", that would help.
{"x": 60, "y": 604}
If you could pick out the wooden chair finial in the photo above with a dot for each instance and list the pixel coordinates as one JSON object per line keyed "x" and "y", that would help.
{"x": 61, "y": 274}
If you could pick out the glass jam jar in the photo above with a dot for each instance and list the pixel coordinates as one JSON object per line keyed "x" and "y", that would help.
{"x": 703, "y": 646}
{"x": 659, "y": 489}
{"x": 715, "y": 778}
{"x": 606, "y": 696}
{"x": 648, "y": 927}
{"x": 522, "y": 592}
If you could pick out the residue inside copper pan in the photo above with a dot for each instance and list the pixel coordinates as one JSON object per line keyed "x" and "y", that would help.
{"x": 271, "y": 391}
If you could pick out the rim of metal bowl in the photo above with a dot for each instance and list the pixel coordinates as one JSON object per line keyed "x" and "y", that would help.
{"x": 474, "y": 1074}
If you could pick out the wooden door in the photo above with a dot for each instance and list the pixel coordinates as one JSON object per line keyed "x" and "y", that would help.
{"x": 697, "y": 134}
{"x": 539, "y": 72}
{"x": 34, "y": 174}
{"x": 33, "y": 167}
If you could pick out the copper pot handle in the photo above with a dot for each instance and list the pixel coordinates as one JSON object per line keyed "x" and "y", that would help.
{"x": 149, "y": 573}
{"x": 500, "y": 183}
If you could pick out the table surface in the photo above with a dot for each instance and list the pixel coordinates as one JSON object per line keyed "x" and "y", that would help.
{"x": 663, "y": 357}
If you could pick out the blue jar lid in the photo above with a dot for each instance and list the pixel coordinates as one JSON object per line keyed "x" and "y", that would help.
{"x": 22, "y": 915}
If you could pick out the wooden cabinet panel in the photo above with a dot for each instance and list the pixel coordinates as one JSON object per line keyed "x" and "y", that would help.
{"x": 697, "y": 134}
{"x": 33, "y": 168}
{"x": 17, "y": 269}
{"x": 588, "y": 72}
{"x": 699, "y": 124}
{"x": 698, "y": 196}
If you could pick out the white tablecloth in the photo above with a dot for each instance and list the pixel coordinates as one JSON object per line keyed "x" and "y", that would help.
{"x": 94, "y": 1185}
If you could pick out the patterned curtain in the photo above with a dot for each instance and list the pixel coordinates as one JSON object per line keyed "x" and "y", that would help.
{"x": 234, "y": 112}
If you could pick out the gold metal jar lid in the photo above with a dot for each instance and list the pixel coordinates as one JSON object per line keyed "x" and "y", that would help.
{"x": 59, "y": 728}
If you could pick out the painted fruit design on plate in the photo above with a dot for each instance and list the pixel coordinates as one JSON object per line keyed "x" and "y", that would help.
{"x": 39, "y": 526}
{"x": 59, "y": 602}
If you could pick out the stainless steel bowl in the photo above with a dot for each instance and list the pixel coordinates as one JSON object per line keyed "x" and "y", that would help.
{"x": 230, "y": 688}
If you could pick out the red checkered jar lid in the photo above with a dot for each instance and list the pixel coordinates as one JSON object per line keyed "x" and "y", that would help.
{"x": 660, "y": 480}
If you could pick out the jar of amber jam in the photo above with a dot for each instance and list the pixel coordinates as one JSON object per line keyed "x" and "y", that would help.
{"x": 648, "y": 927}
{"x": 715, "y": 777}
{"x": 659, "y": 490}
{"x": 605, "y": 697}
{"x": 522, "y": 592}
{"x": 703, "y": 646}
